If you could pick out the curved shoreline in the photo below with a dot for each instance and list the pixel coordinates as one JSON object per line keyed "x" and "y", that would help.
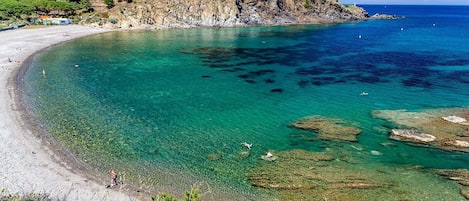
{"x": 32, "y": 162}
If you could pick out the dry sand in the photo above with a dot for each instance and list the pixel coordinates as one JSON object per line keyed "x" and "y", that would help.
{"x": 27, "y": 163}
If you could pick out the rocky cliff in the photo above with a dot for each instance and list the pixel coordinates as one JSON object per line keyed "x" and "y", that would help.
{"x": 210, "y": 13}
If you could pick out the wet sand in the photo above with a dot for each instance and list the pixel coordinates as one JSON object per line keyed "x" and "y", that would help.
{"x": 30, "y": 162}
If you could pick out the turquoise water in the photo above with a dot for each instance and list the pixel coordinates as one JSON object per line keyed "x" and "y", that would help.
{"x": 156, "y": 105}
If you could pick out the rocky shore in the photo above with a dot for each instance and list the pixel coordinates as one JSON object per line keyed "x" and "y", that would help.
{"x": 157, "y": 14}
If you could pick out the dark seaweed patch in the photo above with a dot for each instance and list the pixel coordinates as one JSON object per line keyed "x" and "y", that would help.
{"x": 255, "y": 74}
{"x": 361, "y": 67}
{"x": 269, "y": 81}
{"x": 460, "y": 76}
{"x": 278, "y": 90}
{"x": 233, "y": 70}
{"x": 416, "y": 82}
{"x": 303, "y": 83}
{"x": 456, "y": 62}
{"x": 219, "y": 65}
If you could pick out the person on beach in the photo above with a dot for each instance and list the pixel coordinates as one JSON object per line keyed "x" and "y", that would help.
{"x": 113, "y": 178}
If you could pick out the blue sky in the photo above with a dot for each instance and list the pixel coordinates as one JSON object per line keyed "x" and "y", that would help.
{"x": 408, "y": 2}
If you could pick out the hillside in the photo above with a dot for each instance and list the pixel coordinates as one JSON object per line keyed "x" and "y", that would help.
{"x": 209, "y": 13}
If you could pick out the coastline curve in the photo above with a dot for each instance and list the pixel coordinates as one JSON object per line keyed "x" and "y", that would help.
{"x": 32, "y": 161}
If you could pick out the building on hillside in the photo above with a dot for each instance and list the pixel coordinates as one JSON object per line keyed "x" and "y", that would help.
{"x": 46, "y": 20}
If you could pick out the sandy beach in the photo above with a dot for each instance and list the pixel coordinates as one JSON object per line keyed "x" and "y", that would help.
{"x": 28, "y": 163}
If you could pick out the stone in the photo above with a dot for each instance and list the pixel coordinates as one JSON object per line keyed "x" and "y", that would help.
{"x": 411, "y": 135}
{"x": 458, "y": 143}
{"x": 378, "y": 16}
{"x": 456, "y": 119}
{"x": 376, "y": 153}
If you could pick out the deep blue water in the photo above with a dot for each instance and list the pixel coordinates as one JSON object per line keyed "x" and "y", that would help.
{"x": 167, "y": 101}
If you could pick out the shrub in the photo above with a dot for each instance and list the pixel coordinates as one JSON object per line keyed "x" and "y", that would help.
{"x": 113, "y": 20}
{"x": 4, "y": 196}
{"x": 192, "y": 195}
{"x": 109, "y": 3}
{"x": 163, "y": 197}
{"x": 308, "y": 4}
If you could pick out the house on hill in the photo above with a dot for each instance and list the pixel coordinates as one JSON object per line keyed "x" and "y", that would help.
{"x": 46, "y": 20}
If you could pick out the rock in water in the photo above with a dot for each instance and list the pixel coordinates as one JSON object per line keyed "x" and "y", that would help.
{"x": 458, "y": 143}
{"x": 411, "y": 135}
{"x": 376, "y": 153}
{"x": 448, "y": 126}
{"x": 456, "y": 119}
{"x": 328, "y": 128}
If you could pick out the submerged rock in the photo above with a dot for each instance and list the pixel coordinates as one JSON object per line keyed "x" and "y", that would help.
{"x": 328, "y": 128}
{"x": 243, "y": 154}
{"x": 316, "y": 175}
{"x": 376, "y": 153}
{"x": 465, "y": 193}
{"x": 388, "y": 144}
{"x": 446, "y": 128}
{"x": 214, "y": 156}
{"x": 460, "y": 176}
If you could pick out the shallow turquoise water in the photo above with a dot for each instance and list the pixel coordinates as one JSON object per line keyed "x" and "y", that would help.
{"x": 146, "y": 101}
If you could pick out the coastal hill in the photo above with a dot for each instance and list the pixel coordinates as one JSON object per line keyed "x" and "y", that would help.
{"x": 220, "y": 13}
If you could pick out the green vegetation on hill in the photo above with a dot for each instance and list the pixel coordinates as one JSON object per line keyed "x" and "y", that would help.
{"x": 14, "y": 11}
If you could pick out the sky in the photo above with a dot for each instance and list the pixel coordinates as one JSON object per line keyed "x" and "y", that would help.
{"x": 408, "y": 2}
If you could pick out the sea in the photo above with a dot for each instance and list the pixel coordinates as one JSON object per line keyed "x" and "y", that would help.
{"x": 170, "y": 109}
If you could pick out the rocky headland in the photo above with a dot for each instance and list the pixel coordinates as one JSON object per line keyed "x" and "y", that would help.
{"x": 156, "y": 14}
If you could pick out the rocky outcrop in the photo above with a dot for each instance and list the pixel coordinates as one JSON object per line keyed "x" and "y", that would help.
{"x": 317, "y": 176}
{"x": 445, "y": 128}
{"x": 378, "y": 16}
{"x": 328, "y": 128}
{"x": 461, "y": 176}
{"x": 195, "y": 13}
